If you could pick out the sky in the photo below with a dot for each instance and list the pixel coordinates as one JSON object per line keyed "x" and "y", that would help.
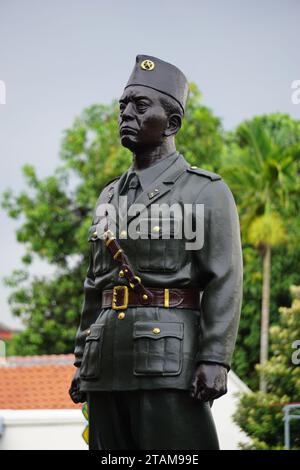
{"x": 58, "y": 57}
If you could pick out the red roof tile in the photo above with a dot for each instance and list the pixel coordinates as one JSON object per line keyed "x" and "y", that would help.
{"x": 5, "y": 335}
{"x": 41, "y": 386}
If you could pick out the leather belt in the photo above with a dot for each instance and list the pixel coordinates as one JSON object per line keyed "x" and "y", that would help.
{"x": 121, "y": 297}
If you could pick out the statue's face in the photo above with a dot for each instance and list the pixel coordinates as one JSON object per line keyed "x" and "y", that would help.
{"x": 142, "y": 119}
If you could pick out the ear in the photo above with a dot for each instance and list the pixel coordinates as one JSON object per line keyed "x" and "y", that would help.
{"x": 174, "y": 124}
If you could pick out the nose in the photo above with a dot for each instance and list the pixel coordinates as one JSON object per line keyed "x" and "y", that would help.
{"x": 127, "y": 113}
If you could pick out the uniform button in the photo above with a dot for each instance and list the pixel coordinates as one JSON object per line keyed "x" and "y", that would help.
{"x": 155, "y": 229}
{"x": 145, "y": 296}
{"x": 88, "y": 332}
{"x": 123, "y": 234}
{"x": 156, "y": 331}
{"x": 121, "y": 273}
{"x": 121, "y": 315}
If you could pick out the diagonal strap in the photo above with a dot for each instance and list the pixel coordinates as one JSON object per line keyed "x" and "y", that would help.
{"x": 118, "y": 255}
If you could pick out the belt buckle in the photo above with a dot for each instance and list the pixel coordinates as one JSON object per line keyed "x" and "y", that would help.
{"x": 125, "y": 297}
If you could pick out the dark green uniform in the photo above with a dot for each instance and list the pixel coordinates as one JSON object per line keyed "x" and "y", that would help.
{"x": 118, "y": 351}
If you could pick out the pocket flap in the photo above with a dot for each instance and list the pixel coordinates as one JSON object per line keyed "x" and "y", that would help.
{"x": 95, "y": 333}
{"x": 96, "y": 230}
{"x": 93, "y": 234}
{"x": 157, "y": 329}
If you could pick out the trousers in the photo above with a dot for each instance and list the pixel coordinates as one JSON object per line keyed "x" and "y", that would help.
{"x": 162, "y": 419}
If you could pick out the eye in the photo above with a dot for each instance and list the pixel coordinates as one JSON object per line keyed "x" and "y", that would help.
{"x": 141, "y": 107}
{"x": 122, "y": 106}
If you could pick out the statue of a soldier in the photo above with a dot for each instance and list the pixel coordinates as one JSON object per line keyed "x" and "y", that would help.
{"x": 163, "y": 292}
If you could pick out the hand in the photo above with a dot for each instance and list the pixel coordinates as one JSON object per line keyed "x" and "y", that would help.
{"x": 76, "y": 395}
{"x": 209, "y": 382}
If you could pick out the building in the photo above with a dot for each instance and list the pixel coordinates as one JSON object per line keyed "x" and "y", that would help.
{"x": 6, "y": 332}
{"x": 35, "y": 409}
{"x": 37, "y": 413}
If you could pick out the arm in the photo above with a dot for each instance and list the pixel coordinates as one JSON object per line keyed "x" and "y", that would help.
{"x": 220, "y": 264}
{"x": 90, "y": 310}
{"x": 91, "y": 306}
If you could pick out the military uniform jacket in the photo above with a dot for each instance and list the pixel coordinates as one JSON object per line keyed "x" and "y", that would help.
{"x": 121, "y": 352}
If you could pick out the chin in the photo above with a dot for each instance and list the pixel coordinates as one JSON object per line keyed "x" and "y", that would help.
{"x": 129, "y": 142}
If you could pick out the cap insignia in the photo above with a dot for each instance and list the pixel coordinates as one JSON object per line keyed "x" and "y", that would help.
{"x": 147, "y": 65}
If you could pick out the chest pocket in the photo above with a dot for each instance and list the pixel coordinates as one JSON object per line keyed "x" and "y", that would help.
{"x": 100, "y": 253}
{"x": 158, "y": 247}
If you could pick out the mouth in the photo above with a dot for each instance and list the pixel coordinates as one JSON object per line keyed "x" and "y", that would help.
{"x": 127, "y": 130}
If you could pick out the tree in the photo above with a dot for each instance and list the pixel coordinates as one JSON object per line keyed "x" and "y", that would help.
{"x": 55, "y": 214}
{"x": 262, "y": 173}
{"x": 260, "y": 414}
{"x": 201, "y": 139}
{"x": 284, "y": 272}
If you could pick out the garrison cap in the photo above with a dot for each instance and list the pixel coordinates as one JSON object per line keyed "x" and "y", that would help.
{"x": 161, "y": 76}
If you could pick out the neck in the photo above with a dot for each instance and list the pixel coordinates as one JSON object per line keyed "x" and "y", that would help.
{"x": 147, "y": 157}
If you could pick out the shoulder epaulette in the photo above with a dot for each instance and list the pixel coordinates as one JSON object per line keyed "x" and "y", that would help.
{"x": 207, "y": 174}
{"x": 110, "y": 181}
{"x": 107, "y": 192}
{"x": 105, "y": 196}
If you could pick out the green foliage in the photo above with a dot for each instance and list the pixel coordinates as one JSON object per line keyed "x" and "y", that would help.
{"x": 267, "y": 229}
{"x": 260, "y": 414}
{"x": 261, "y": 169}
{"x": 50, "y": 218}
{"x": 49, "y": 309}
{"x": 92, "y": 152}
{"x": 201, "y": 138}
{"x": 261, "y": 164}
{"x": 285, "y": 272}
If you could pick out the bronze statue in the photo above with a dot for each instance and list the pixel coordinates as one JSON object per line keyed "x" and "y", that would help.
{"x": 159, "y": 321}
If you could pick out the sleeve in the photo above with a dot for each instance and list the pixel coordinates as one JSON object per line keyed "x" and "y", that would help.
{"x": 90, "y": 311}
{"x": 221, "y": 268}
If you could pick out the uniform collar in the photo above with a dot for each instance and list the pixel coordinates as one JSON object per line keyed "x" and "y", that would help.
{"x": 158, "y": 188}
{"x": 149, "y": 175}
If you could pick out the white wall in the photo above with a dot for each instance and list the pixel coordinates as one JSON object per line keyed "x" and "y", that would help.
{"x": 42, "y": 429}
{"x": 62, "y": 429}
{"x": 228, "y": 432}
